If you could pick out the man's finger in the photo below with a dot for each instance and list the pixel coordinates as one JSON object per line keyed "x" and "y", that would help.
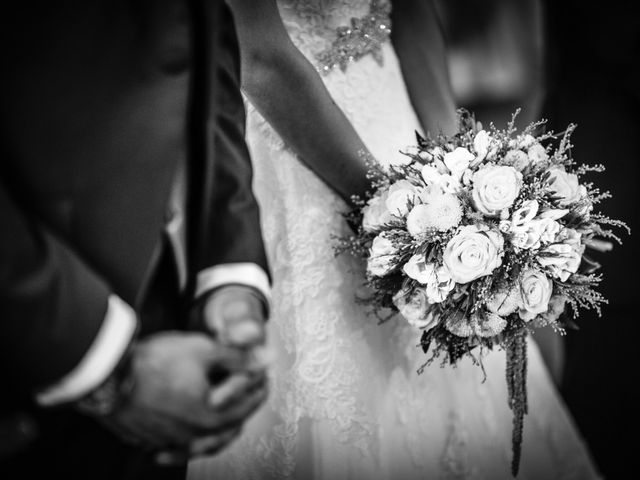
{"x": 214, "y": 443}
{"x": 171, "y": 458}
{"x": 208, "y": 445}
{"x": 234, "y": 388}
{"x": 236, "y": 316}
{"x": 217, "y": 420}
{"x": 238, "y": 412}
{"x": 223, "y": 361}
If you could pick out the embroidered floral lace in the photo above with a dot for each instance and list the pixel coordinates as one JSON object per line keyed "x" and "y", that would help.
{"x": 364, "y": 36}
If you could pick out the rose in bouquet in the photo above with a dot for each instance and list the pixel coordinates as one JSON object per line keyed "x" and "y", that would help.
{"x": 478, "y": 238}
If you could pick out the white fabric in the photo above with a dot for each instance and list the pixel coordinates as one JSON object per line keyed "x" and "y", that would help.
{"x": 249, "y": 274}
{"x": 176, "y": 227}
{"x": 346, "y": 401}
{"x": 112, "y": 340}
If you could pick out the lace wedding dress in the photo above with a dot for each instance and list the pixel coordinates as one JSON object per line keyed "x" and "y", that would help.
{"x": 346, "y": 399}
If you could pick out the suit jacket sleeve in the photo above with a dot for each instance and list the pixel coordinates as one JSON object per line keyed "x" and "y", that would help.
{"x": 52, "y": 303}
{"x": 233, "y": 221}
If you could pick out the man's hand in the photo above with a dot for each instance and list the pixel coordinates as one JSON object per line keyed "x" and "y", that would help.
{"x": 236, "y": 316}
{"x": 233, "y": 317}
{"x": 174, "y": 406}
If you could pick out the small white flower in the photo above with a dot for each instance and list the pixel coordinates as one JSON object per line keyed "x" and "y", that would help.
{"x": 525, "y": 239}
{"x": 458, "y": 161}
{"x": 535, "y": 233}
{"x": 537, "y": 153}
{"x": 431, "y": 175}
{"x": 565, "y": 186}
{"x": 436, "y": 173}
{"x": 467, "y": 177}
{"x": 418, "y": 269}
{"x": 401, "y": 195}
{"x": 525, "y": 213}
{"x": 481, "y": 144}
{"x": 505, "y": 226}
{"x": 445, "y": 211}
{"x": 517, "y": 159}
{"x": 536, "y": 290}
{"x": 451, "y": 184}
{"x": 492, "y": 325}
{"x": 495, "y": 188}
{"x": 436, "y": 278}
{"x": 439, "y": 285}
{"x": 547, "y": 228}
{"x": 437, "y": 153}
{"x": 441, "y": 212}
{"x": 375, "y": 213}
{"x": 381, "y": 256}
{"x": 525, "y": 141}
{"x": 475, "y": 251}
{"x": 505, "y": 302}
{"x": 418, "y": 221}
{"x": 562, "y": 258}
{"x": 415, "y": 309}
{"x": 444, "y": 181}
{"x": 528, "y": 232}
{"x": 460, "y": 325}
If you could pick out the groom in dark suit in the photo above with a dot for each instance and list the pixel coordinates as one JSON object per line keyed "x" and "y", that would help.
{"x": 133, "y": 284}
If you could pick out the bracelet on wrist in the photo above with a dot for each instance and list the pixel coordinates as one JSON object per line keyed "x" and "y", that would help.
{"x": 113, "y": 392}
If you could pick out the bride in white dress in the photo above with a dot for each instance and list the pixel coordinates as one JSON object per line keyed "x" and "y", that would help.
{"x": 346, "y": 400}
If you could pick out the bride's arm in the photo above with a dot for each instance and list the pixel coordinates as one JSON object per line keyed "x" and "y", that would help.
{"x": 287, "y": 90}
{"x": 419, "y": 43}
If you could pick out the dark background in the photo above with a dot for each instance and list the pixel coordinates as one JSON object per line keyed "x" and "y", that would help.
{"x": 571, "y": 61}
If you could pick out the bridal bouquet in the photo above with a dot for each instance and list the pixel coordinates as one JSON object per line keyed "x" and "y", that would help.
{"x": 477, "y": 238}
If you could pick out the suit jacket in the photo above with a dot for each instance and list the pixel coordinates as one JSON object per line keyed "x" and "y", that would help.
{"x": 101, "y": 102}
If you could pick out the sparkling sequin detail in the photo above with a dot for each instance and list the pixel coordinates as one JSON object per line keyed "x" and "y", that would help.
{"x": 365, "y": 36}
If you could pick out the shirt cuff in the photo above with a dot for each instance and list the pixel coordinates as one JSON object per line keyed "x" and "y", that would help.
{"x": 113, "y": 338}
{"x": 248, "y": 274}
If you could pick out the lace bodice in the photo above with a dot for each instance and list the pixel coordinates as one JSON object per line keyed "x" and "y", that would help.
{"x": 334, "y": 33}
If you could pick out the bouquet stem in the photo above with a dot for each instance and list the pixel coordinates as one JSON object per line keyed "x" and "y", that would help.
{"x": 517, "y": 389}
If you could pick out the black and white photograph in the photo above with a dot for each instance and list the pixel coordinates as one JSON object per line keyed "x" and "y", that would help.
{"x": 319, "y": 239}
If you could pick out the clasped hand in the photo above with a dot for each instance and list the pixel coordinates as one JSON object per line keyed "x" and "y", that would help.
{"x": 194, "y": 390}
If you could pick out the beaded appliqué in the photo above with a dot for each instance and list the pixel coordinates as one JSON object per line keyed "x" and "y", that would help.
{"x": 365, "y": 35}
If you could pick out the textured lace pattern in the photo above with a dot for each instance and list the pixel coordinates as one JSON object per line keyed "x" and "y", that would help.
{"x": 364, "y": 36}
{"x": 312, "y": 24}
{"x": 346, "y": 401}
